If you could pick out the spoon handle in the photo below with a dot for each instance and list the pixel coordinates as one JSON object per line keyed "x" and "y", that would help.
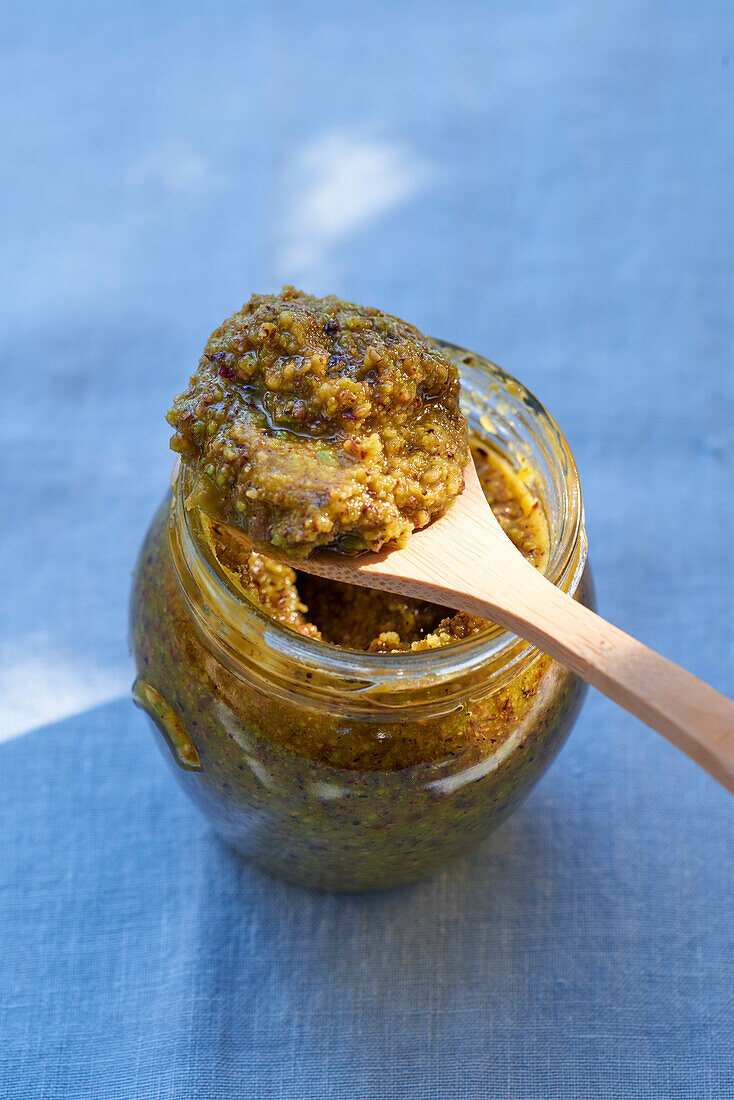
{"x": 689, "y": 713}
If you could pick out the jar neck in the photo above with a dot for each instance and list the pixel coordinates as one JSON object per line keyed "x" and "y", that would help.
{"x": 271, "y": 657}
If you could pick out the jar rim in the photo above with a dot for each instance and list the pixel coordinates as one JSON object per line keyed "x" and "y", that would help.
{"x": 239, "y": 627}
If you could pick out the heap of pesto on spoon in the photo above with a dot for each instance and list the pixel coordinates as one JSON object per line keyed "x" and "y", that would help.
{"x": 314, "y": 422}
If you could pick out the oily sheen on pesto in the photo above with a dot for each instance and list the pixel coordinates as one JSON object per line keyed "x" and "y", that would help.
{"x": 314, "y": 421}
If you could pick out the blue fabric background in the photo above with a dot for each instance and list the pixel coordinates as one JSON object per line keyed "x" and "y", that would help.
{"x": 549, "y": 183}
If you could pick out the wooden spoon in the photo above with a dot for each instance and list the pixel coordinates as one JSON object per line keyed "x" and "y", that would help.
{"x": 465, "y": 560}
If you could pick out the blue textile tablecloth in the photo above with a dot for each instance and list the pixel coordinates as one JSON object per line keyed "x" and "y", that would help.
{"x": 548, "y": 183}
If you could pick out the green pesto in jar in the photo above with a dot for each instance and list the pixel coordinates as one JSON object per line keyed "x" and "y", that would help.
{"x": 314, "y": 421}
{"x": 313, "y": 779}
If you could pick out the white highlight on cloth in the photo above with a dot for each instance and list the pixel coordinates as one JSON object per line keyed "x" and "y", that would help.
{"x": 176, "y": 168}
{"x": 41, "y": 689}
{"x": 339, "y": 183}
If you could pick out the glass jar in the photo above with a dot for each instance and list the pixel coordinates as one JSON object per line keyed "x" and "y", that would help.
{"x": 341, "y": 769}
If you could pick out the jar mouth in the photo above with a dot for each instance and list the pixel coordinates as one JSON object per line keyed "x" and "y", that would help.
{"x": 503, "y": 414}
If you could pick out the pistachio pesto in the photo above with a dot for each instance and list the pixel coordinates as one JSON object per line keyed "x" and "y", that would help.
{"x": 375, "y": 621}
{"x": 314, "y": 421}
{"x": 338, "y": 737}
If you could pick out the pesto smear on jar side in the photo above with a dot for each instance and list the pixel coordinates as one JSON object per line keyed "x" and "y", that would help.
{"x": 315, "y": 422}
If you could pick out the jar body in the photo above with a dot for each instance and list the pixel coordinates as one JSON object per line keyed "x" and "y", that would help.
{"x": 246, "y": 757}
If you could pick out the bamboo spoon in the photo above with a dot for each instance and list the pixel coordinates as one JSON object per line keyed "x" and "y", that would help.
{"x": 465, "y": 560}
